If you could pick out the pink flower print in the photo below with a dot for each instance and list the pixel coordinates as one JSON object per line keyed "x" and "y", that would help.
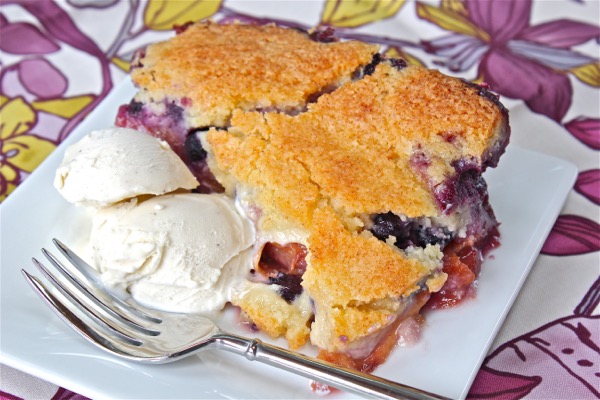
{"x": 586, "y": 130}
{"x": 516, "y": 59}
{"x": 572, "y": 235}
{"x": 64, "y": 394}
{"x": 588, "y": 185}
{"x": 42, "y": 84}
{"x": 24, "y": 38}
{"x": 558, "y": 360}
{"x": 42, "y": 79}
{"x": 497, "y": 385}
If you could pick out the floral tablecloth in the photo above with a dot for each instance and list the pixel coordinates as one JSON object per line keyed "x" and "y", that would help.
{"x": 61, "y": 59}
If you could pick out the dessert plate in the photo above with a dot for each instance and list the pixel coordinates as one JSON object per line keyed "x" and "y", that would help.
{"x": 527, "y": 191}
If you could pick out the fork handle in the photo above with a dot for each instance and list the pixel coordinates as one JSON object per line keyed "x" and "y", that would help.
{"x": 318, "y": 370}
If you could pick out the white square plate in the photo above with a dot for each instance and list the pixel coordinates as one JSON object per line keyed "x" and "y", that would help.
{"x": 527, "y": 192}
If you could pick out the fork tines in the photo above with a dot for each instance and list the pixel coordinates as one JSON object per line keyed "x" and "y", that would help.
{"x": 81, "y": 299}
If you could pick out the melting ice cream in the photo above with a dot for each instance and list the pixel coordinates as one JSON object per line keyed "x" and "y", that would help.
{"x": 111, "y": 165}
{"x": 171, "y": 249}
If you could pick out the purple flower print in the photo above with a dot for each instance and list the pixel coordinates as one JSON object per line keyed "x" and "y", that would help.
{"x": 64, "y": 394}
{"x": 558, "y": 360}
{"x": 41, "y": 78}
{"x": 24, "y": 38}
{"x": 518, "y": 60}
{"x": 501, "y": 385}
{"x": 36, "y": 114}
{"x": 586, "y": 130}
{"x": 588, "y": 185}
{"x": 58, "y": 27}
{"x": 572, "y": 235}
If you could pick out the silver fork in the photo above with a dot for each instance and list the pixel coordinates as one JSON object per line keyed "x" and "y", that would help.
{"x": 130, "y": 331}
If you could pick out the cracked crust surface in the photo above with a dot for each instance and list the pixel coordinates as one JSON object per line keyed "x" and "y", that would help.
{"x": 350, "y": 154}
{"x": 353, "y": 147}
{"x": 219, "y": 68}
{"x": 350, "y": 269}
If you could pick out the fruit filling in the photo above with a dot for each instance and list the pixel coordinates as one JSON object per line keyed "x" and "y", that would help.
{"x": 166, "y": 121}
{"x": 462, "y": 262}
{"x": 409, "y": 232}
{"x": 464, "y": 247}
{"x": 284, "y": 265}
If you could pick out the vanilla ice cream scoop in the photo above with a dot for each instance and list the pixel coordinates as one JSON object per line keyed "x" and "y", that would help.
{"x": 111, "y": 165}
{"x": 178, "y": 252}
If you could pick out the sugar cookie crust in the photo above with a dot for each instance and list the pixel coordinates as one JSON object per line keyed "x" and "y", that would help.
{"x": 353, "y": 147}
{"x": 219, "y": 68}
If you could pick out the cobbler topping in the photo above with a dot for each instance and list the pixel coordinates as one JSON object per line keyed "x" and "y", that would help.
{"x": 492, "y": 153}
{"x": 228, "y": 67}
{"x": 484, "y": 90}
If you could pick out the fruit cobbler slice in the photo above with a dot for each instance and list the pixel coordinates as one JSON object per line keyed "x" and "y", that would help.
{"x": 383, "y": 176}
{"x": 362, "y": 176}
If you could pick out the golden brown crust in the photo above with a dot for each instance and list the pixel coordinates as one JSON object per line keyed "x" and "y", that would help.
{"x": 358, "y": 282}
{"x": 337, "y": 327}
{"x": 283, "y": 185}
{"x": 349, "y": 269}
{"x": 353, "y": 147}
{"x": 225, "y": 67}
{"x": 273, "y": 315}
